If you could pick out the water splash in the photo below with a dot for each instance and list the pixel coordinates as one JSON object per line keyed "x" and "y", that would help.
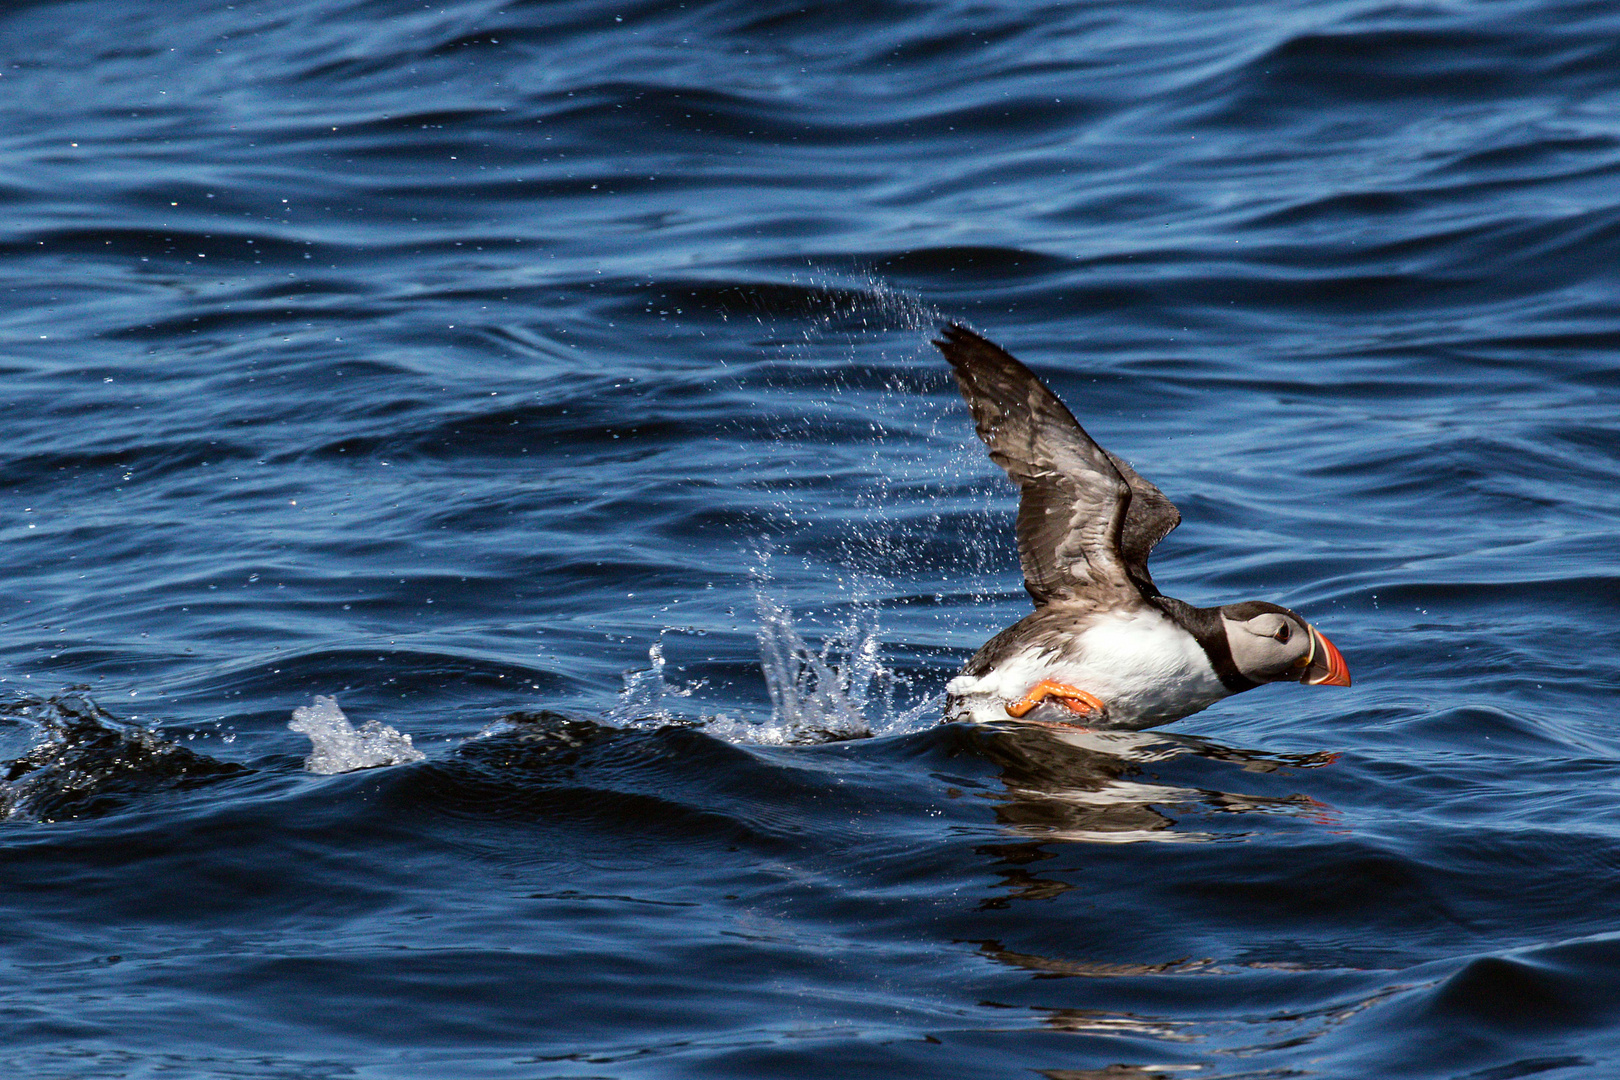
{"x": 821, "y": 299}
{"x": 646, "y": 691}
{"x": 839, "y": 690}
{"x": 815, "y": 690}
{"x": 874, "y": 303}
{"x": 339, "y": 747}
{"x": 836, "y": 685}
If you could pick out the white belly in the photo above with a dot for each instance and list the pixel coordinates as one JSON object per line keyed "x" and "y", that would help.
{"x": 1144, "y": 667}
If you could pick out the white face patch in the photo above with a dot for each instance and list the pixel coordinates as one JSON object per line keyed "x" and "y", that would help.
{"x": 1264, "y": 656}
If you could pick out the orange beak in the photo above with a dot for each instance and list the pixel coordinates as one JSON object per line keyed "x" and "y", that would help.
{"x": 1325, "y": 666}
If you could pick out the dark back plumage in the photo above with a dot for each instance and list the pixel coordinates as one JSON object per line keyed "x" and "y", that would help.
{"x": 1086, "y": 521}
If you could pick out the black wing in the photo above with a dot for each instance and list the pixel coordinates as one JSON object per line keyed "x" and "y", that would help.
{"x": 1086, "y": 520}
{"x": 1148, "y": 519}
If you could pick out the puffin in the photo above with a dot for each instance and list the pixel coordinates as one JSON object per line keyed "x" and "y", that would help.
{"x": 1104, "y": 648}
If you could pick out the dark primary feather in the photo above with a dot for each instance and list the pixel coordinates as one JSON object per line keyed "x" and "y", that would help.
{"x": 1149, "y": 519}
{"x": 1086, "y": 520}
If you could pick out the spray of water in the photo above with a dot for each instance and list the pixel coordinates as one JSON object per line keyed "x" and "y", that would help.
{"x": 339, "y": 747}
{"x": 645, "y": 698}
{"x": 834, "y": 683}
{"x": 839, "y": 689}
{"x": 815, "y": 690}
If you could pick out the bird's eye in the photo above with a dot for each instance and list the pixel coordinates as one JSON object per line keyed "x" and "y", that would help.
{"x": 1284, "y": 632}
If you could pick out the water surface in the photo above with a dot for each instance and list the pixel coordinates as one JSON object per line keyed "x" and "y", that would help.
{"x": 549, "y": 383}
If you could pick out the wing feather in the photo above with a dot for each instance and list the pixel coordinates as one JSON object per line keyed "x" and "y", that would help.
{"x": 1086, "y": 520}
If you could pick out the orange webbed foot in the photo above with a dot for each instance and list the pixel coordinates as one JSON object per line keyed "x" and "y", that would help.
{"x": 1078, "y": 701}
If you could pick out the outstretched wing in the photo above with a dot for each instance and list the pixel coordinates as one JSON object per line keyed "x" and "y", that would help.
{"x": 1148, "y": 519}
{"x": 1086, "y": 520}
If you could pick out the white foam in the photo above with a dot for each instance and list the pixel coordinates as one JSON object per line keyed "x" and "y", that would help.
{"x": 339, "y": 747}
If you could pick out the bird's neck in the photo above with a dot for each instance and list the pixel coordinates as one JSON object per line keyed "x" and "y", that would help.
{"x": 1207, "y": 626}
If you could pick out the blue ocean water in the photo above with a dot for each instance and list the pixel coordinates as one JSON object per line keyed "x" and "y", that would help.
{"x": 548, "y": 384}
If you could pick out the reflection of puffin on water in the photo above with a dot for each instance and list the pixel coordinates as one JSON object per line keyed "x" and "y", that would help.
{"x": 1103, "y": 647}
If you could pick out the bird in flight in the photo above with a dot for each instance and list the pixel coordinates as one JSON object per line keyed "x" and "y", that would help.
{"x": 1103, "y": 647}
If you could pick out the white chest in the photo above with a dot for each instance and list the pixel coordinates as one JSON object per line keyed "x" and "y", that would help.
{"x": 1146, "y": 668}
